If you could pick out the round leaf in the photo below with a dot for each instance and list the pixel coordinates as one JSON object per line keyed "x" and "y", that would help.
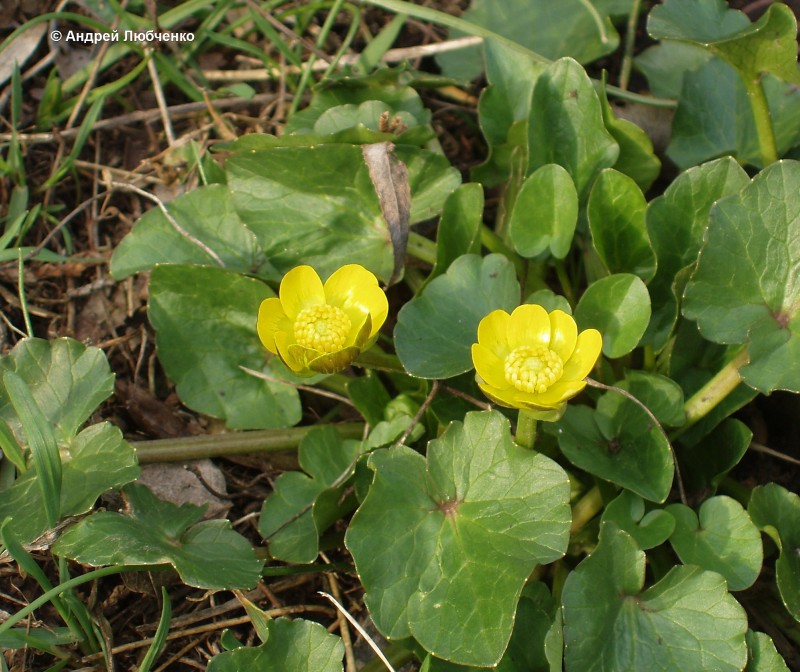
{"x": 205, "y": 322}
{"x": 444, "y": 546}
{"x": 436, "y": 330}
{"x": 618, "y": 306}
{"x": 648, "y": 530}
{"x": 686, "y": 621}
{"x": 723, "y": 540}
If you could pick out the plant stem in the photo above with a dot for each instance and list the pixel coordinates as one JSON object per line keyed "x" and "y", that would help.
{"x": 630, "y": 39}
{"x": 374, "y": 359}
{"x": 494, "y": 243}
{"x": 764, "y": 131}
{"x": 586, "y": 508}
{"x": 526, "y": 429}
{"x": 715, "y": 390}
{"x": 421, "y": 247}
{"x": 564, "y": 281}
{"x": 235, "y": 443}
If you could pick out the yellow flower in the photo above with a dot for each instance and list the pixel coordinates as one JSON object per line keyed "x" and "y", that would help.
{"x": 316, "y": 328}
{"x": 533, "y": 360}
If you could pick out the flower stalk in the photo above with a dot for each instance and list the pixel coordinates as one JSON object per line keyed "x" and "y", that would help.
{"x": 715, "y": 390}
{"x": 526, "y": 429}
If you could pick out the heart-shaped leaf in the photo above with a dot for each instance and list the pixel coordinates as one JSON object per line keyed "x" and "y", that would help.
{"x": 722, "y": 540}
{"x": 205, "y": 322}
{"x": 208, "y": 554}
{"x": 618, "y": 306}
{"x": 762, "y": 655}
{"x": 292, "y": 646}
{"x": 436, "y": 330}
{"x": 686, "y": 621}
{"x": 301, "y": 507}
{"x": 648, "y": 530}
{"x": 443, "y": 546}
{"x": 757, "y": 301}
{"x": 459, "y": 229}
{"x": 776, "y": 511}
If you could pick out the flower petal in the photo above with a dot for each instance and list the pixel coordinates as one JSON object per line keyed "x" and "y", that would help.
{"x": 557, "y": 393}
{"x": 563, "y": 334}
{"x": 529, "y": 325}
{"x": 583, "y": 359}
{"x": 287, "y": 351}
{"x": 355, "y": 290}
{"x": 493, "y": 333}
{"x": 489, "y": 366}
{"x": 301, "y": 288}
{"x": 271, "y": 319}
{"x": 501, "y": 397}
{"x": 360, "y": 333}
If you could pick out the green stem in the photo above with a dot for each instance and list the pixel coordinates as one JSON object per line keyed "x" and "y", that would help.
{"x": 630, "y": 39}
{"x": 238, "y": 443}
{"x": 526, "y": 429}
{"x": 766, "y": 136}
{"x": 73, "y": 583}
{"x": 494, "y": 243}
{"x": 374, "y": 359}
{"x": 421, "y": 247}
{"x": 564, "y": 281}
{"x": 715, "y": 390}
{"x": 586, "y": 508}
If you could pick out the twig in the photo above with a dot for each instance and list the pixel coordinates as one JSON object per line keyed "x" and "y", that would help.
{"x": 155, "y": 199}
{"x": 466, "y": 397}
{"x": 344, "y": 631}
{"x": 160, "y": 100}
{"x": 774, "y": 453}
{"x": 611, "y": 388}
{"x": 424, "y": 407}
{"x": 305, "y": 388}
{"x": 361, "y": 630}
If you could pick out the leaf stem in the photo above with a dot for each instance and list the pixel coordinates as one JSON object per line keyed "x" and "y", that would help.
{"x": 421, "y": 247}
{"x": 586, "y": 508}
{"x": 235, "y": 443}
{"x": 374, "y": 359}
{"x": 526, "y": 429}
{"x": 766, "y": 136}
{"x": 494, "y": 243}
{"x": 630, "y": 39}
{"x": 715, "y": 390}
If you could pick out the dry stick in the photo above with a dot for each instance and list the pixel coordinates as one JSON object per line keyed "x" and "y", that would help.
{"x": 361, "y": 630}
{"x": 305, "y": 388}
{"x": 466, "y": 397}
{"x": 344, "y": 631}
{"x": 424, "y": 407}
{"x": 594, "y": 383}
{"x": 155, "y": 199}
{"x": 760, "y": 448}
{"x": 175, "y": 112}
{"x": 160, "y": 100}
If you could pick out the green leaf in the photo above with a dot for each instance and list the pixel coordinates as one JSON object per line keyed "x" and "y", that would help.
{"x": 666, "y": 63}
{"x": 619, "y": 307}
{"x": 721, "y": 539}
{"x": 662, "y": 395}
{"x": 459, "y": 229}
{"x": 303, "y": 506}
{"x": 676, "y": 222}
{"x": 545, "y": 213}
{"x": 566, "y": 125}
{"x": 757, "y": 300}
{"x": 636, "y": 157}
{"x": 776, "y": 511}
{"x": 67, "y": 379}
{"x": 436, "y": 330}
{"x": 369, "y": 396}
{"x": 550, "y": 301}
{"x": 208, "y": 221}
{"x": 686, "y": 621}
{"x": 762, "y": 655}
{"x": 648, "y": 530}
{"x": 205, "y": 322}
{"x": 206, "y": 554}
{"x": 444, "y": 546}
{"x": 616, "y": 212}
{"x": 769, "y": 45}
{"x": 94, "y": 461}
{"x": 293, "y": 646}
{"x": 317, "y": 205}
{"x": 574, "y": 28}
{"x": 618, "y": 443}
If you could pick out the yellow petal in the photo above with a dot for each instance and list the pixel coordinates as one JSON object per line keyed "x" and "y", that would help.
{"x": 360, "y": 334}
{"x": 355, "y": 290}
{"x": 301, "y": 288}
{"x": 583, "y": 359}
{"x": 501, "y": 397}
{"x": 489, "y": 366}
{"x": 563, "y": 334}
{"x": 493, "y": 333}
{"x": 333, "y": 362}
{"x": 529, "y": 325}
{"x": 271, "y": 319}
{"x": 556, "y": 394}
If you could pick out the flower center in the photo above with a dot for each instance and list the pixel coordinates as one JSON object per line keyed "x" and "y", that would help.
{"x": 532, "y": 368}
{"x": 323, "y": 328}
